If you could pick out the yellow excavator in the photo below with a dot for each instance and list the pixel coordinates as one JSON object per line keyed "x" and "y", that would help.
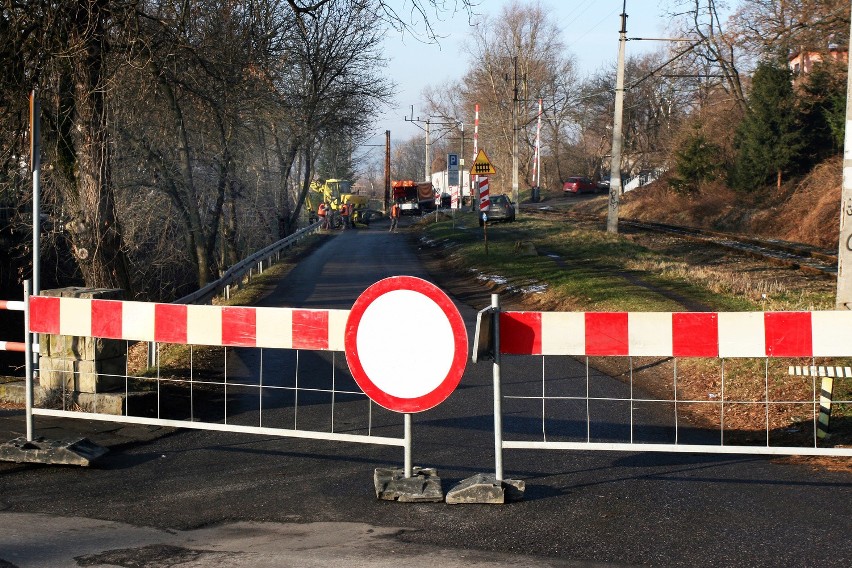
{"x": 334, "y": 193}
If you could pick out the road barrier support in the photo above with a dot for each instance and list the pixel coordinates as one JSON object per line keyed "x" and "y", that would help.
{"x": 28, "y": 358}
{"x": 730, "y": 339}
{"x": 498, "y": 395}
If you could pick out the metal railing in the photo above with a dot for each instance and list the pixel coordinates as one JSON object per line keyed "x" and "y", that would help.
{"x": 658, "y": 402}
{"x": 237, "y": 272}
{"x": 271, "y": 378}
{"x": 18, "y": 346}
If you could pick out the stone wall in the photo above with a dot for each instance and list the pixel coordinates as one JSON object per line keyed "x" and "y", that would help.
{"x": 82, "y": 364}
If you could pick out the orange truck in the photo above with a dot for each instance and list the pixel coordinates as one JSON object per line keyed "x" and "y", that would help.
{"x": 414, "y": 198}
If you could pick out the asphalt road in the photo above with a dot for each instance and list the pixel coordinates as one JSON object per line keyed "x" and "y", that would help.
{"x": 194, "y": 498}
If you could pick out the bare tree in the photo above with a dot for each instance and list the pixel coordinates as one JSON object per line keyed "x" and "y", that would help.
{"x": 330, "y": 86}
{"x": 206, "y": 103}
{"x": 716, "y": 46}
{"x": 408, "y": 159}
{"x": 770, "y": 27}
{"x": 520, "y": 43}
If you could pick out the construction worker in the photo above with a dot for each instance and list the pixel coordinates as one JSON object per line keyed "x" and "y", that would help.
{"x": 394, "y": 217}
{"x": 344, "y": 214}
{"x": 322, "y": 211}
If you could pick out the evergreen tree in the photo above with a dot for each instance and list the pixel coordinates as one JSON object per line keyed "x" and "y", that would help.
{"x": 822, "y": 106}
{"x": 697, "y": 161}
{"x": 769, "y": 141}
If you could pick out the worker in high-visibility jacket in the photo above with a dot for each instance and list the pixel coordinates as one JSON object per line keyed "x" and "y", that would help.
{"x": 344, "y": 214}
{"x": 322, "y": 211}
{"x": 394, "y": 217}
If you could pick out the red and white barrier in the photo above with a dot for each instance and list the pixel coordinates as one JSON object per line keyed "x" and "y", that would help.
{"x": 484, "y": 199}
{"x": 656, "y": 334}
{"x": 668, "y": 334}
{"x": 13, "y": 305}
{"x": 284, "y": 328}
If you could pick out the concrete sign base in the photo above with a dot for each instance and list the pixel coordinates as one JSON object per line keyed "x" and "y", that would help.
{"x": 424, "y": 485}
{"x": 81, "y": 451}
{"x": 484, "y": 488}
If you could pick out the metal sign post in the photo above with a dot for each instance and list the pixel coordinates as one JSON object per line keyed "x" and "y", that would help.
{"x": 35, "y": 165}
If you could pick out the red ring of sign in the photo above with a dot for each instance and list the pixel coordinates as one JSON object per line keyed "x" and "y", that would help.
{"x": 454, "y": 375}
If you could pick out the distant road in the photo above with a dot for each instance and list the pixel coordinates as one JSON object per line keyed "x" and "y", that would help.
{"x": 218, "y": 499}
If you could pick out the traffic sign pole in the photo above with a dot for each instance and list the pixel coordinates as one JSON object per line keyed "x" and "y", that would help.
{"x": 431, "y": 375}
{"x": 407, "y": 459}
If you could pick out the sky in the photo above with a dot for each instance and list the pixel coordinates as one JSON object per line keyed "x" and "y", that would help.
{"x": 590, "y": 33}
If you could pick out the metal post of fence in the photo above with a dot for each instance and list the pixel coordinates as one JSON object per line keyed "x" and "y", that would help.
{"x": 498, "y": 396}
{"x": 28, "y": 360}
{"x": 152, "y": 354}
{"x": 407, "y": 464}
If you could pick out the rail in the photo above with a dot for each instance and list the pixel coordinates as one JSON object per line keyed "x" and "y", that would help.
{"x": 799, "y": 256}
{"x": 17, "y": 346}
{"x": 238, "y": 271}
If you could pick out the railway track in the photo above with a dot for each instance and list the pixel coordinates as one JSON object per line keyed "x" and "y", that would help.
{"x": 794, "y": 255}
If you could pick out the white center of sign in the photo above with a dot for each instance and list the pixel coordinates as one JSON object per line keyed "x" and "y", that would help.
{"x": 405, "y": 343}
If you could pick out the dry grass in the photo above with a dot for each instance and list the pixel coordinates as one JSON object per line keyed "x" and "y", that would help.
{"x": 811, "y": 214}
{"x": 769, "y": 290}
{"x": 806, "y": 210}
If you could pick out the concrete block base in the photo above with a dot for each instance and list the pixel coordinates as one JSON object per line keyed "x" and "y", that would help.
{"x": 57, "y": 452}
{"x": 118, "y": 403}
{"x": 424, "y": 485}
{"x": 485, "y": 488}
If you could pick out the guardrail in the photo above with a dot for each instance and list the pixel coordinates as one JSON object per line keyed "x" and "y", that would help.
{"x": 238, "y": 271}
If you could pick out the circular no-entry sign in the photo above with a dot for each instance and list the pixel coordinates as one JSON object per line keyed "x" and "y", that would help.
{"x": 406, "y": 344}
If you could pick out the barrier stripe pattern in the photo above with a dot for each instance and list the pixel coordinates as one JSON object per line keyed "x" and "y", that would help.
{"x": 484, "y": 199}
{"x": 677, "y": 334}
{"x": 825, "y": 396}
{"x": 12, "y": 305}
{"x": 283, "y": 328}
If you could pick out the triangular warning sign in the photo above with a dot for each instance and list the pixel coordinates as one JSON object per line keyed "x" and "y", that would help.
{"x": 482, "y": 165}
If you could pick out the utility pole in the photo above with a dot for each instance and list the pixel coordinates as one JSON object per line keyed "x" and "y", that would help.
{"x": 461, "y": 170}
{"x": 428, "y": 167}
{"x": 387, "y": 170}
{"x": 35, "y": 168}
{"x": 615, "y": 165}
{"x": 844, "y": 251}
{"x": 474, "y": 183}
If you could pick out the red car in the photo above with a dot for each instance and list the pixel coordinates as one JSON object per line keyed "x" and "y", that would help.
{"x": 579, "y": 185}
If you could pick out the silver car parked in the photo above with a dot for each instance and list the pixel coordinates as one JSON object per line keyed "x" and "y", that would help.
{"x": 501, "y": 209}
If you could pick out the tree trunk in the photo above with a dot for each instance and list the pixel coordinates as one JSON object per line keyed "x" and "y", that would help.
{"x": 229, "y": 238}
{"x": 306, "y": 185}
{"x": 186, "y": 188}
{"x": 95, "y": 234}
{"x": 286, "y": 158}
